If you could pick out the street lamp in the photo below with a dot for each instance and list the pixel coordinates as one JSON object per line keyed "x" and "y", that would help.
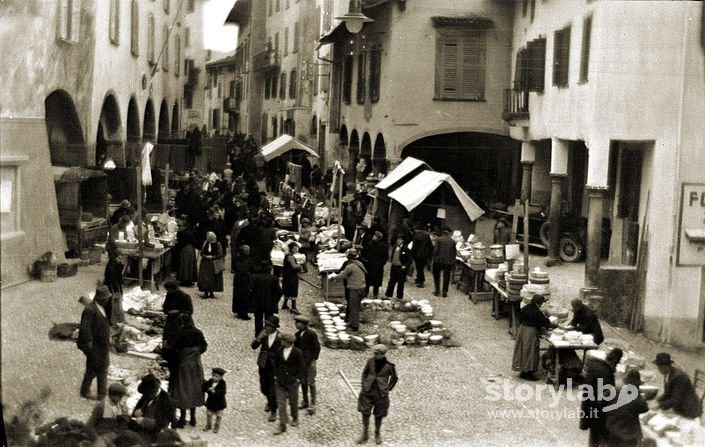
{"x": 354, "y": 19}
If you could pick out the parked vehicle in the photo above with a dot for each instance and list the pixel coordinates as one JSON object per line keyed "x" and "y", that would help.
{"x": 573, "y": 234}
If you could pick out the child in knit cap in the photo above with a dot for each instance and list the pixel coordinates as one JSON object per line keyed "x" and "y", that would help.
{"x": 215, "y": 398}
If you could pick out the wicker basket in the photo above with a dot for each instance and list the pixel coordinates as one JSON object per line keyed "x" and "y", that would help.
{"x": 65, "y": 270}
{"x": 47, "y": 273}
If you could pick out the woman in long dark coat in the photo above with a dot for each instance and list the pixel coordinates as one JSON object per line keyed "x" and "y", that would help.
{"x": 210, "y": 280}
{"x": 526, "y": 349}
{"x": 187, "y": 269}
{"x": 114, "y": 271}
{"x": 290, "y": 278}
{"x": 375, "y": 255}
{"x": 244, "y": 268}
{"x": 185, "y": 385}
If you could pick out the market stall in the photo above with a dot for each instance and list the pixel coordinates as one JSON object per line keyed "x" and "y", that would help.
{"x": 428, "y": 202}
{"x": 82, "y": 199}
{"x": 406, "y": 170}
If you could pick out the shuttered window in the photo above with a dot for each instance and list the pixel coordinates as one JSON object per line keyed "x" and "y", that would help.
{"x": 282, "y": 86}
{"x": 375, "y": 73}
{"x": 561, "y": 57}
{"x": 292, "y": 85}
{"x": 135, "y": 29}
{"x": 347, "y": 79}
{"x": 274, "y": 86}
{"x": 585, "y": 51}
{"x": 150, "y": 39}
{"x": 114, "y": 25}
{"x": 535, "y": 65}
{"x": 296, "y": 38}
{"x": 285, "y": 51}
{"x": 69, "y": 21}
{"x": 460, "y": 64}
{"x": 177, "y": 55}
{"x": 361, "y": 78}
{"x": 165, "y": 54}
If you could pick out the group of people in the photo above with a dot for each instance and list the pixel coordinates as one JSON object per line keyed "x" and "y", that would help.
{"x": 182, "y": 347}
{"x": 610, "y": 421}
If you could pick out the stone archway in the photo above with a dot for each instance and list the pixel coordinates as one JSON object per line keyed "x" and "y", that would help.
{"x": 379, "y": 156}
{"x": 366, "y": 154}
{"x": 67, "y": 145}
{"x": 109, "y": 142}
{"x": 149, "y": 131}
{"x": 133, "y": 133}
{"x": 163, "y": 129}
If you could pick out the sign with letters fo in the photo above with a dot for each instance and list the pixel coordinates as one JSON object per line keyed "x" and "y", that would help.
{"x": 691, "y": 236}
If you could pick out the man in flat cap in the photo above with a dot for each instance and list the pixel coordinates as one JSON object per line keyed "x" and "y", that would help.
{"x": 678, "y": 392}
{"x": 378, "y": 378}
{"x": 268, "y": 341}
{"x": 288, "y": 370}
{"x": 94, "y": 342}
{"x": 354, "y": 273}
{"x": 307, "y": 342}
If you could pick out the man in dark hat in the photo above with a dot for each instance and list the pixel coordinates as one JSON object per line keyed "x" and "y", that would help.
{"x": 379, "y": 376}
{"x": 154, "y": 411}
{"x": 585, "y": 320}
{"x": 401, "y": 260}
{"x": 443, "y": 261}
{"x": 678, "y": 391}
{"x": 421, "y": 251}
{"x": 94, "y": 341}
{"x": 288, "y": 370}
{"x": 124, "y": 210}
{"x": 354, "y": 273}
{"x": 307, "y": 342}
{"x": 268, "y": 342}
{"x": 264, "y": 296}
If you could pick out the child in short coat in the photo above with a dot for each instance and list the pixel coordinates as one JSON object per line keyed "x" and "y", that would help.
{"x": 215, "y": 390}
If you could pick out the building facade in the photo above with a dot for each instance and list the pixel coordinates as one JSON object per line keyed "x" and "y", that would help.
{"x": 609, "y": 114}
{"x": 107, "y": 77}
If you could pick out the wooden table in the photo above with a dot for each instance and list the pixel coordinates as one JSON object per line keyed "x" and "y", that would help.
{"x": 159, "y": 262}
{"x": 553, "y": 376}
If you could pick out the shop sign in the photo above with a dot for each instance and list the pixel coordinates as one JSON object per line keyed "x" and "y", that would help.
{"x": 691, "y": 230}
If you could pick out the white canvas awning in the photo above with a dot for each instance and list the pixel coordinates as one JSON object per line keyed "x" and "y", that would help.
{"x": 282, "y": 145}
{"x": 416, "y": 190}
{"x": 408, "y": 165}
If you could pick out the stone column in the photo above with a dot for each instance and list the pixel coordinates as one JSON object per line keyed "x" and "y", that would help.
{"x": 554, "y": 217}
{"x": 559, "y": 171}
{"x": 593, "y": 249}
{"x": 528, "y": 155}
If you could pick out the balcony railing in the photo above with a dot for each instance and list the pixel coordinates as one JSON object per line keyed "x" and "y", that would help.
{"x": 266, "y": 60}
{"x": 230, "y": 105}
{"x": 516, "y": 105}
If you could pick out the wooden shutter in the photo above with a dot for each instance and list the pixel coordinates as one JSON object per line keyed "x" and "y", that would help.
{"x": 282, "y": 86}
{"x": 296, "y": 38}
{"x": 585, "y": 53}
{"x": 165, "y": 55}
{"x": 361, "y": 78}
{"x": 292, "y": 84}
{"x": 472, "y": 66}
{"x": 150, "y": 39}
{"x": 347, "y": 79}
{"x": 177, "y": 55}
{"x": 62, "y": 24}
{"x": 449, "y": 69}
{"x": 561, "y": 57}
{"x": 135, "y": 29}
{"x": 375, "y": 73}
{"x": 114, "y": 25}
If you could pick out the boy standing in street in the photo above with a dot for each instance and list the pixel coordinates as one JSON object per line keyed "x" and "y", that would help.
{"x": 215, "y": 390}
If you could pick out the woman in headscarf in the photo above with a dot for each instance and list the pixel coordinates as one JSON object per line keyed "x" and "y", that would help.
{"x": 185, "y": 385}
{"x": 187, "y": 269}
{"x": 244, "y": 268}
{"x": 526, "y": 349}
{"x": 210, "y": 272}
{"x": 290, "y": 278}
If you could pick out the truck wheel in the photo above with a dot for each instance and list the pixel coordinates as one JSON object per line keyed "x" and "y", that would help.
{"x": 544, "y": 233}
{"x": 570, "y": 249}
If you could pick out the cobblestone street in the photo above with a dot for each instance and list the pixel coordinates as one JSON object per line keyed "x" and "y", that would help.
{"x": 440, "y": 398}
